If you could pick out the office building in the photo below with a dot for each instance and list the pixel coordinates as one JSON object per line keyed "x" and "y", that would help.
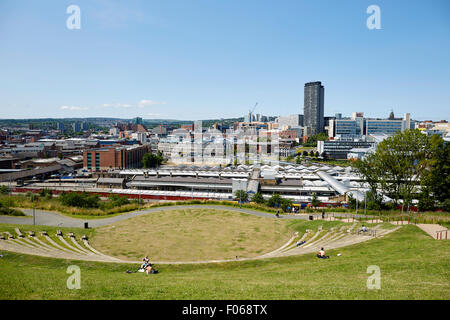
{"x": 294, "y": 120}
{"x": 76, "y": 127}
{"x": 114, "y": 157}
{"x": 314, "y": 107}
{"x": 339, "y": 149}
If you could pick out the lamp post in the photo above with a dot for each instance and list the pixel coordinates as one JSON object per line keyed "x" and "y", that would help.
{"x": 365, "y": 202}
{"x": 34, "y": 212}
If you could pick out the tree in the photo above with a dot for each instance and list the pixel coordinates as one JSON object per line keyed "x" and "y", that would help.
{"x": 312, "y": 141}
{"x": 298, "y": 160}
{"x": 258, "y": 198}
{"x": 401, "y": 160}
{"x": 435, "y": 180}
{"x": 150, "y": 160}
{"x": 404, "y": 161}
{"x": 370, "y": 170}
{"x": 241, "y": 195}
{"x": 274, "y": 201}
{"x": 314, "y": 201}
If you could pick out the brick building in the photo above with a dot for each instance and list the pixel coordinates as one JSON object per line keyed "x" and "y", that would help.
{"x": 114, "y": 157}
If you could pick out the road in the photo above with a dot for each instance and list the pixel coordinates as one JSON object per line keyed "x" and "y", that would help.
{"x": 48, "y": 218}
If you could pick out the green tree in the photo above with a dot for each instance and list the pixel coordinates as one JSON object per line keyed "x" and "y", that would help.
{"x": 276, "y": 201}
{"x": 258, "y": 198}
{"x": 314, "y": 201}
{"x": 151, "y": 160}
{"x": 370, "y": 170}
{"x": 435, "y": 180}
{"x": 312, "y": 141}
{"x": 401, "y": 160}
{"x": 241, "y": 195}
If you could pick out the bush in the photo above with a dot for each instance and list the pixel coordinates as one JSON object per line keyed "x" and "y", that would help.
{"x": 46, "y": 193}
{"x": 4, "y": 190}
{"x": 276, "y": 201}
{"x": 258, "y": 198}
{"x": 10, "y": 212}
{"x": 80, "y": 200}
{"x": 115, "y": 201}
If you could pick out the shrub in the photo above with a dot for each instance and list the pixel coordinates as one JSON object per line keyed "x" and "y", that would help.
{"x": 81, "y": 200}
{"x": 4, "y": 190}
{"x": 258, "y": 198}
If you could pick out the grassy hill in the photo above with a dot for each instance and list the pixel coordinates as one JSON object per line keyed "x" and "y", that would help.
{"x": 413, "y": 266}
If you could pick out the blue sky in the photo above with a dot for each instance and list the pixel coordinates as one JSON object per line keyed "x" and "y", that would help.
{"x": 203, "y": 59}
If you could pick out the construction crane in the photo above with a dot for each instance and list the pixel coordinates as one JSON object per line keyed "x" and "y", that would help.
{"x": 250, "y": 112}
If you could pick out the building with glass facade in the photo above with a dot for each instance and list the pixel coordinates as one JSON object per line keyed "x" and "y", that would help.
{"x": 390, "y": 127}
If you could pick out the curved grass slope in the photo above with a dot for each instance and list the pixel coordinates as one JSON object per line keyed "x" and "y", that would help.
{"x": 191, "y": 235}
{"x": 413, "y": 266}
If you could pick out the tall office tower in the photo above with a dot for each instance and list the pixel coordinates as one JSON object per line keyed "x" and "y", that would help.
{"x": 314, "y": 107}
{"x": 137, "y": 120}
{"x": 76, "y": 126}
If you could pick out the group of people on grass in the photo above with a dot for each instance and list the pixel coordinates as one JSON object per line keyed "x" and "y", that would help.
{"x": 147, "y": 266}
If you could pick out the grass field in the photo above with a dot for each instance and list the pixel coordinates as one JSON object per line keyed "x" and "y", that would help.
{"x": 413, "y": 266}
{"x": 191, "y": 235}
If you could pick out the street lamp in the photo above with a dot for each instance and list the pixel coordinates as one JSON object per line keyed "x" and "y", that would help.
{"x": 365, "y": 202}
{"x": 34, "y": 212}
{"x": 139, "y": 199}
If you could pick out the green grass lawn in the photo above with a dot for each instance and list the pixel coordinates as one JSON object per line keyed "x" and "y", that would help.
{"x": 191, "y": 234}
{"x": 413, "y": 266}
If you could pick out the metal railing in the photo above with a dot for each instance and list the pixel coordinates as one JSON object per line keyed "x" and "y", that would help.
{"x": 440, "y": 234}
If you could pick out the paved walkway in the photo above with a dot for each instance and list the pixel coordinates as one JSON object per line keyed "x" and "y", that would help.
{"x": 48, "y": 218}
{"x": 432, "y": 229}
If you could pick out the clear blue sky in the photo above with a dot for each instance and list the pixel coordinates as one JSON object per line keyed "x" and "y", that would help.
{"x": 203, "y": 59}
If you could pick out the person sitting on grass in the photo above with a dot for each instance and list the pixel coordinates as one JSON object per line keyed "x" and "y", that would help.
{"x": 363, "y": 229}
{"x": 146, "y": 262}
{"x": 321, "y": 254}
{"x": 148, "y": 269}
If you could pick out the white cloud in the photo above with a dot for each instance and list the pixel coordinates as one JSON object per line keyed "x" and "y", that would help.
{"x": 147, "y": 103}
{"x": 117, "y": 105}
{"x": 73, "y": 108}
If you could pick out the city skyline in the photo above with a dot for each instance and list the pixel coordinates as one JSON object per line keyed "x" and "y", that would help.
{"x": 169, "y": 61}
